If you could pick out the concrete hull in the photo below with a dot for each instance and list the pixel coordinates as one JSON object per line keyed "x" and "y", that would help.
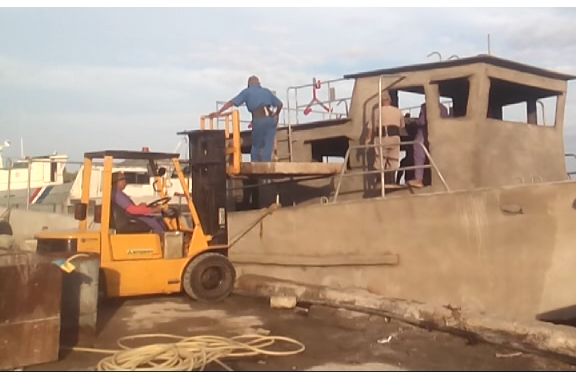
{"x": 508, "y": 251}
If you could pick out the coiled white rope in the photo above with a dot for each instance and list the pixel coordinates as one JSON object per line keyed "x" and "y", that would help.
{"x": 187, "y": 353}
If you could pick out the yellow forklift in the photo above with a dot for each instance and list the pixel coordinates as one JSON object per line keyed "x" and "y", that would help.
{"x": 190, "y": 256}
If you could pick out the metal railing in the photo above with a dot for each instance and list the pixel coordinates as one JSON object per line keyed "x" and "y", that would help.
{"x": 326, "y": 105}
{"x": 29, "y": 163}
{"x": 343, "y": 173}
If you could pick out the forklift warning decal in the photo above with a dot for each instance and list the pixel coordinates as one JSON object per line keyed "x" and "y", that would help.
{"x": 221, "y": 216}
{"x": 139, "y": 251}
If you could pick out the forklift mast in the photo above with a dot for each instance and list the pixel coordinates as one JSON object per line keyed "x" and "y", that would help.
{"x": 208, "y": 177}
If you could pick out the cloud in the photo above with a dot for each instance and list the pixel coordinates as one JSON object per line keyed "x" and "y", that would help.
{"x": 133, "y": 76}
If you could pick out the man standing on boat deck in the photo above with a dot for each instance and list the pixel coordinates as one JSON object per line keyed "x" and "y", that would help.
{"x": 422, "y": 137}
{"x": 392, "y": 120}
{"x": 259, "y": 101}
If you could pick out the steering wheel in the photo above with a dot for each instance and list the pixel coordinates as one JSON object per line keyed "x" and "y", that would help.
{"x": 159, "y": 202}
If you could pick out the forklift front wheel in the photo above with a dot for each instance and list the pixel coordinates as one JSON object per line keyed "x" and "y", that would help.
{"x": 209, "y": 277}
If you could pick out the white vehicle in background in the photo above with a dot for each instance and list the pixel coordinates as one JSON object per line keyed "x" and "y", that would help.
{"x": 140, "y": 185}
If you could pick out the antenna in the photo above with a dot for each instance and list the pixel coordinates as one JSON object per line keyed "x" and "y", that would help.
{"x": 489, "y": 53}
{"x": 22, "y": 147}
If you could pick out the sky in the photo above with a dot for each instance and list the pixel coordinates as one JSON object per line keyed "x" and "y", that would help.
{"x": 82, "y": 79}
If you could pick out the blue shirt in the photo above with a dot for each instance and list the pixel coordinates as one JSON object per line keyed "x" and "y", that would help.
{"x": 256, "y": 97}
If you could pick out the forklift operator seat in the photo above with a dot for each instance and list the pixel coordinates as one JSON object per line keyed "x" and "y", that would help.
{"x": 123, "y": 223}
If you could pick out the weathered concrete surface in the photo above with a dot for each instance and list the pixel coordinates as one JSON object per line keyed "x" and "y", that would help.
{"x": 330, "y": 343}
{"x": 464, "y": 248}
{"x": 531, "y": 336}
{"x": 25, "y": 224}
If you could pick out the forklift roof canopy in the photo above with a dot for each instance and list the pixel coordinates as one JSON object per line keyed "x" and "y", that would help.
{"x": 135, "y": 155}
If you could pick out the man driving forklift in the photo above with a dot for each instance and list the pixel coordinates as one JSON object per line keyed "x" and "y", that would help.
{"x": 140, "y": 212}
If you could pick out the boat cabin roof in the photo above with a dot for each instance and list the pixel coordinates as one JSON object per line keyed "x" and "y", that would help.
{"x": 482, "y": 58}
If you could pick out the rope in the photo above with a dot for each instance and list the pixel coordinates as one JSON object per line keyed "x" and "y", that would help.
{"x": 187, "y": 353}
{"x": 273, "y": 207}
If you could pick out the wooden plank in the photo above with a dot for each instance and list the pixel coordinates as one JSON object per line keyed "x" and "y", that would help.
{"x": 289, "y": 168}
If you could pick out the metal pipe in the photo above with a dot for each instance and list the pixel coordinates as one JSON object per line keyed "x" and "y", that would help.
{"x": 287, "y": 111}
{"x": 432, "y": 165}
{"x": 435, "y": 52}
{"x": 380, "y": 150}
{"x": 435, "y": 166}
{"x": 333, "y": 100}
{"x": 543, "y": 111}
{"x": 290, "y": 148}
{"x": 9, "y": 182}
{"x": 28, "y": 187}
{"x": 343, "y": 172}
{"x": 322, "y": 113}
{"x": 345, "y": 101}
{"x": 323, "y": 82}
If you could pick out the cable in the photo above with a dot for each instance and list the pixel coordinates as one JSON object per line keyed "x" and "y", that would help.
{"x": 187, "y": 353}
{"x": 66, "y": 265}
{"x": 273, "y": 207}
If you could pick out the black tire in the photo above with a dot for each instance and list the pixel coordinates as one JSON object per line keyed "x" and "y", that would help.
{"x": 5, "y": 228}
{"x": 209, "y": 277}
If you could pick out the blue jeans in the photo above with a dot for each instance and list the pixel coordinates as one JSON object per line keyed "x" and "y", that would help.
{"x": 263, "y": 134}
{"x": 154, "y": 222}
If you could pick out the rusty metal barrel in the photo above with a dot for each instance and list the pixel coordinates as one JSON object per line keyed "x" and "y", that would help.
{"x": 30, "y": 291}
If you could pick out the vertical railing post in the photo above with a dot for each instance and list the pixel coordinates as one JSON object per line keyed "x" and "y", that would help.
{"x": 382, "y": 177}
{"x": 236, "y": 142}
{"x": 9, "y": 182}
{"x": 28, "y": 186}
{"x": 85, "y": 189}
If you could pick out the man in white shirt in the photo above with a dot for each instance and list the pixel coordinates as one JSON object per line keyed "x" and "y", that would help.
{"x": 392, "y": 120}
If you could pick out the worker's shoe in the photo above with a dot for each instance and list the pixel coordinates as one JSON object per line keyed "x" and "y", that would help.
{"x": 416, "y": 183}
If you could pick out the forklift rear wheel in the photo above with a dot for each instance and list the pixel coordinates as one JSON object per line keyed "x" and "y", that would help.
{"x": 209, "y": 277}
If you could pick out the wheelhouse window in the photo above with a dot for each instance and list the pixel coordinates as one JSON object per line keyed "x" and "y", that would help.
{"x": 520, "y": 103}
{"x": 454, "y": 95}
{"x": 330, "y": 150}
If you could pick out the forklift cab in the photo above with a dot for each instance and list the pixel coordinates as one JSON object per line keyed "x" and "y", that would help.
{"x": 188, "y": 256}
